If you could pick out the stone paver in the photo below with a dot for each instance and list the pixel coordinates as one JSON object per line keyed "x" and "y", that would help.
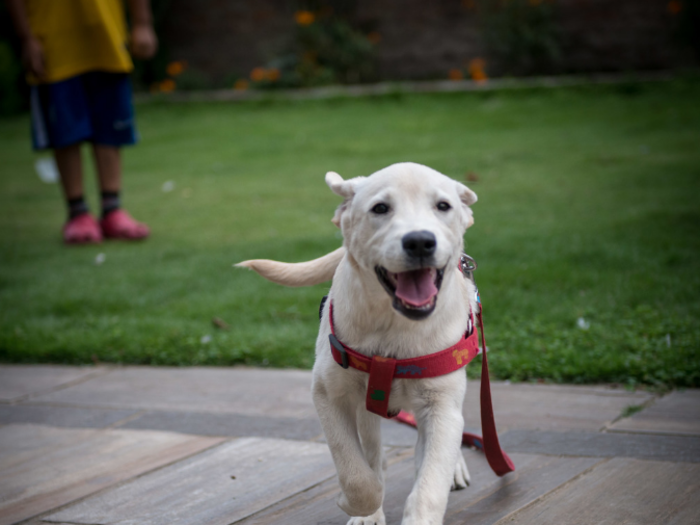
{"x": 42, "y": 468}
{"x": 256, "y": 392}
{"x": 550, "y": 407}
{"x": 621, "y": 491}
{"x": 20, "y": 381}
{"x": 70, "y": 417}
{"x": 234, "y": 425}
{"x": 465, "y": 506}
{"x": 202, "y": 491}
{"x": 676, "y": 413}
{"x": 577, "y": 460}
{"x": 605, "y": 445}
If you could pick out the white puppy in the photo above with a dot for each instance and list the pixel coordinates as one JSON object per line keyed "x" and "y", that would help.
{"x": 397, "y": 292}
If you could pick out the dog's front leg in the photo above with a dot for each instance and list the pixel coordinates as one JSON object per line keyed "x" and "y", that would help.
{"x": 440, "y": 430}
{"x": 361, "y": 485}
{"x": 461, "y": 472}
{"x": 368, "y": 425}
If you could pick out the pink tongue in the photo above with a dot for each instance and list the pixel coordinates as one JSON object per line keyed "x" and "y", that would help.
{"x": 416, "y": 287}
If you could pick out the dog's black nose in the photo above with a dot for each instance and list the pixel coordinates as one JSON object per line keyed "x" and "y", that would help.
{"x": 419, "y": 244}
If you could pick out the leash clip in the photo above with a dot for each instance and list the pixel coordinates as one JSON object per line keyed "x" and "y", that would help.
{"x": 467, "y": 264}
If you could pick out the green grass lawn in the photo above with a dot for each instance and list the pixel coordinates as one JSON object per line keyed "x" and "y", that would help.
{"x": 588, "y": 209}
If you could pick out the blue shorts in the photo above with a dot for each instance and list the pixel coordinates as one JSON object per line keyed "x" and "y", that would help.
{"x": 94, "y": 107}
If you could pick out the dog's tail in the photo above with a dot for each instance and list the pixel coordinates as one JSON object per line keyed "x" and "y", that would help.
{"x": 297, "y": 274}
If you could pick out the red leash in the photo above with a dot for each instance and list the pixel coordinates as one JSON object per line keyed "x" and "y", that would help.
{"x": 498, "y": 460}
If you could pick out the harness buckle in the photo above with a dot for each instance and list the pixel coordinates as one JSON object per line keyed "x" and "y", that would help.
{"x": 341, "y": 350}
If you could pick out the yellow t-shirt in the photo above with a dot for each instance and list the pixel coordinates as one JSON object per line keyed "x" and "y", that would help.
{"x": 79, "y": 36}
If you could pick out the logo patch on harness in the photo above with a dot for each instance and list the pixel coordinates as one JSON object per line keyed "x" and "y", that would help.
{"x": 414, "y": 370}
{"x": 460, "y": 355}
{"x": 378, "y": 395}
{"x": 356, "y": 363}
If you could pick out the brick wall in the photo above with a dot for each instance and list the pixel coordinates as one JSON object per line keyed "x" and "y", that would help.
{"x": 606, "y": 35}
{"x": 420, "y": 38}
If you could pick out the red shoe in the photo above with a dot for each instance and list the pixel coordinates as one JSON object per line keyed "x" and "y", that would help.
{"x": 120, "y": 225}
{"x": 82, "y": 229}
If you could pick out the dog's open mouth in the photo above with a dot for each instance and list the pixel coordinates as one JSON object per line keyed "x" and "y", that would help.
{"x": 414, "y": 292}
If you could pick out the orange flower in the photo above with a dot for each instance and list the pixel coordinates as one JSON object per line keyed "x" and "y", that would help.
{"x": 241, "y": 84}
{"x": 167, "y": 85}
{"x": 304, "y": 18}
{"x": 176, "y": 68}
{"x": 675, "y": 7}
{"x": 374, "y": 37}
{"x": 476, "y": 70}
{"x": 273, "y": 74}
{"x": 455, "y": 74}
{"x": 258, "y": 74}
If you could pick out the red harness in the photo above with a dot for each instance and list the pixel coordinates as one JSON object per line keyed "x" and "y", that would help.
{"x": 383, "y": 370}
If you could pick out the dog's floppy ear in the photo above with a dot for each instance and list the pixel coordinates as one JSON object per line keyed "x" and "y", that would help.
{"x": 468, "y": 197}
{"x": 344, "y": 188}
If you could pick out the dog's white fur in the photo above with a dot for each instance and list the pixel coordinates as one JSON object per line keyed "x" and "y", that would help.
{"x": 366, "y": 321}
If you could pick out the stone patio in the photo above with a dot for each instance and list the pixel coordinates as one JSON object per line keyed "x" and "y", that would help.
{"x": 137, "y": 445}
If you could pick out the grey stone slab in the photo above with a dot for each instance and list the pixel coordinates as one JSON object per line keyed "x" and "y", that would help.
{"x": 58, "y": 416}
{"x": 235, "y": 425}
{"x": 621, "y": 491}
{"x": 317, "y": 506}
{"x": 42, "y": 468}
{"x": 21, "y": 381}
{"x": 676, "y": 413}
{"x": 251, "y": 391}
{"x": 535, "y": 476}
{"x": 201, "y": 491}
{"x": 398, "y": 434}
{"x": 550, "y": 407}
{"x": 394, "y": 434}
{"x": 597, "y": 444}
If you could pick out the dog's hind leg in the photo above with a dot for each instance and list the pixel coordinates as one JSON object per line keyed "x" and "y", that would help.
{"x": 462, "y": 477}
{"x": 362, "y": 489}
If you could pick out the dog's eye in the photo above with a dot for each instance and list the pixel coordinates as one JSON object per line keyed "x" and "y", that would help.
{"x": 380, "y": 208}
{"x": 443, "y": 206}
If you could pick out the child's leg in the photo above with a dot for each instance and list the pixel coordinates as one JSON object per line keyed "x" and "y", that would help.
{"x": 109, "y": 172}
{"x": 70, "y": 167}
{"x": 109, "y": 167}
{"x": 116, "y": 223}
{"x": 81, "y": 227}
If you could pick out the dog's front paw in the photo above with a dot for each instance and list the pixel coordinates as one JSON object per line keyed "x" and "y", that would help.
{"x": 361, "y": 500}
{"x": 461, "y": 479}
{"x": 375, "y": 519}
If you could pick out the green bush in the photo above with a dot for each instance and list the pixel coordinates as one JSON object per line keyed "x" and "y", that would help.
{"x": 11, "y": 100}
{"x": 522, "y": 35}
{"x": 326, "y": 49}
